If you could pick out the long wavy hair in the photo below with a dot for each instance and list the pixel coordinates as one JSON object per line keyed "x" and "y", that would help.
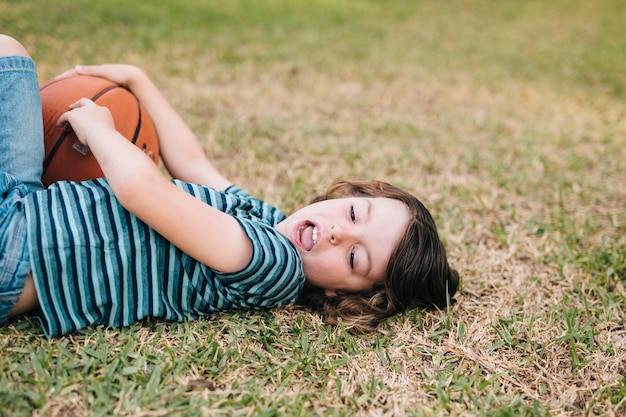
{"x": 418, "y": 273}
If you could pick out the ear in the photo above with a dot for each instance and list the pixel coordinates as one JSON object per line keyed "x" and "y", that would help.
{"x": 330, "y": 293}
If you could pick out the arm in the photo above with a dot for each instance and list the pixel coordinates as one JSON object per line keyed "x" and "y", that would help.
{"x": 180, "y": 150}
{"x": 208, "y": 235}
{"x": 28, "y": 299}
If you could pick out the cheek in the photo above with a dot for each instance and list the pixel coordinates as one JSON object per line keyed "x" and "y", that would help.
{"x": 313, "y": 267}
{"x": 319, "y": 270}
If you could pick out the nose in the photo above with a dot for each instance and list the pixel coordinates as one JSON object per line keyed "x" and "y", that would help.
{"x": 338, "y": 234}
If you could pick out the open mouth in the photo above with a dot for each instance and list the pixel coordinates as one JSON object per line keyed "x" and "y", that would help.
{"x": 307, "y": 236}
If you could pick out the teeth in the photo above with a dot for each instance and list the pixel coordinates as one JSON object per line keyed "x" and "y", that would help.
{"x": 314, "y": 233}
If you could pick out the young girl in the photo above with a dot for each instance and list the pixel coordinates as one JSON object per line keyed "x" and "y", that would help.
{"x": 135, "y": 244}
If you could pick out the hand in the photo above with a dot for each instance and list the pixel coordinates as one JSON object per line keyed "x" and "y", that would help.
{"x": 87, "y": 120}
{"x": 122, "y": 74}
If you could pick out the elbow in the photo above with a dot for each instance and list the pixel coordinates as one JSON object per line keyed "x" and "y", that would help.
{"x": 134, "y": 187}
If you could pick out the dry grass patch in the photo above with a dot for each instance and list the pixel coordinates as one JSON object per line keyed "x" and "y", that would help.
{"x": 501, "y": 170}
{"x": 520, "y": 157}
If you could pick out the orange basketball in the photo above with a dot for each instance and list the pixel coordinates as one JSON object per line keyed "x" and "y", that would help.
{"x": 65, "y": 157}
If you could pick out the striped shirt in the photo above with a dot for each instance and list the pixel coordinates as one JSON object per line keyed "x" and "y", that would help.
{"x": 93, "y": 262}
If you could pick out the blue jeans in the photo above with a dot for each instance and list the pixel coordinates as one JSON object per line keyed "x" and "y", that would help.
{"x": 21, "y": 159}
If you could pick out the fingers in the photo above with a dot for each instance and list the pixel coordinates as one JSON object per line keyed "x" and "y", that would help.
{"x": 121, "y": 74}
{"x": 85, "y": 69}
{"x": 77, "y": 70}
{"x": 63, "y": 120}
{"x": 102, "y": 70}
{"x": 65, "y": 74}
{"x": 83, "y": 102}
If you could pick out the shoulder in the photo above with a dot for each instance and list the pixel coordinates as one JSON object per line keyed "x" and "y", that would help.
{"x": 273, "y": 277}
{"x": 234, "y": 201}
{"x": 275, "y": 266}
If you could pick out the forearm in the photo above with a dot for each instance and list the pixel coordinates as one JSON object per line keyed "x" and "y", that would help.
{"x": 28, "y": 300}
{"x": 205, "y": 233}
{"x": 122, "y": 163}
{"x": 180, "y": 149}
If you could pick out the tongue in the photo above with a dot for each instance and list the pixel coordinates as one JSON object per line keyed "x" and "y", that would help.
{"x": 306, "y": 237}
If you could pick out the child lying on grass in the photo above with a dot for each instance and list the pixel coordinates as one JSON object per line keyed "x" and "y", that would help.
{"x": 135, "y": 244}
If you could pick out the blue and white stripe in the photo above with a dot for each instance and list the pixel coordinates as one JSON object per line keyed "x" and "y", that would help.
{"x": 95, "y": 263}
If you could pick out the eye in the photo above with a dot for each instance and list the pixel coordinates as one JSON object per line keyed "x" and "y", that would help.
{"x": 352, "y": 214}
{"x": 352, "y": 258}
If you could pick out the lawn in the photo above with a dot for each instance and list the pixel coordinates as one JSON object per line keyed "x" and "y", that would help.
{"x": 507, "y": 118}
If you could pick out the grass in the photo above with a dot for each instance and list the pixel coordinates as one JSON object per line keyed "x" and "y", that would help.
{"x": 506, "y": 118}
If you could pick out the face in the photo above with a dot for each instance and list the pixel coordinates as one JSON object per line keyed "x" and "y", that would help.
{"x": 346, "y": 243}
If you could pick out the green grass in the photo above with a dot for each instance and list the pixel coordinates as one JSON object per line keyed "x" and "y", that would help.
{"x": 505, "y": 117}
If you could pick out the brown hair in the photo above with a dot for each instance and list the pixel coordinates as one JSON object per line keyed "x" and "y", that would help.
{"x": 418, "y": 273}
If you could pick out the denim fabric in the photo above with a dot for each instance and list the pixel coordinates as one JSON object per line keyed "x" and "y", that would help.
{"x": 14, "y": 259}
{"x": 21, "y": 125}
{"x": 21, "y": 158}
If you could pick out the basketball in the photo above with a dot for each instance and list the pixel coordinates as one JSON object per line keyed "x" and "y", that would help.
{"x": 65, "y": 157}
